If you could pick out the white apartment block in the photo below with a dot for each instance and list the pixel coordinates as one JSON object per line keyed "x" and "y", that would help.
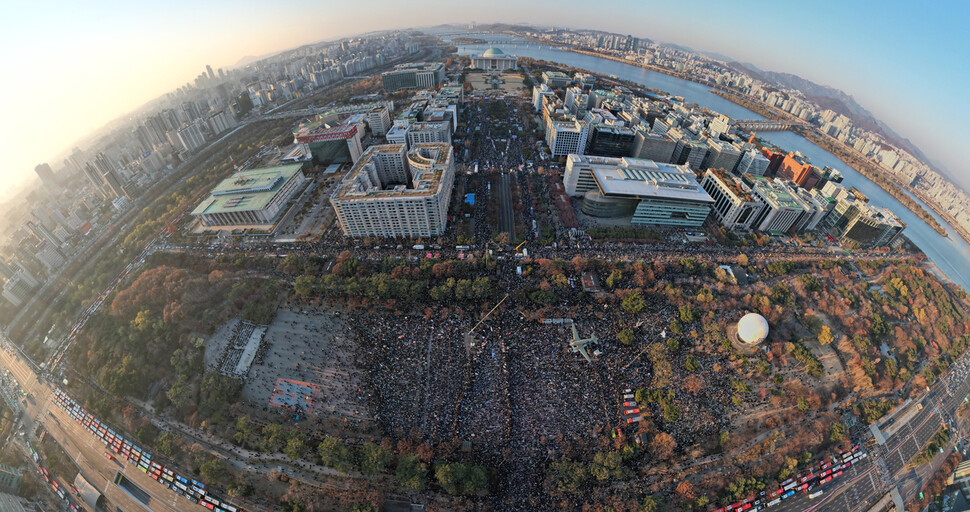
{"x": 566, "y": 137}
{"x": 734, "y": 204}
{"x": 426, "y": 133}
{"x": 379, "y": 119}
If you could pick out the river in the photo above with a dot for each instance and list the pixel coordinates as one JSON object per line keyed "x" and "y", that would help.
{"x": 950, "y": 254}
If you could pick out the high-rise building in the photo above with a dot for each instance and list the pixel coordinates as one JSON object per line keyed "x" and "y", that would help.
{"x": 853, "y": 219}
{"x": 95, "y": 178}
{"x": 720, "y": 155}
{"x": 566, "y": 136}
{"x": 208, "y": 69}
{"x": 752, "y": 162}
{"x": 379, "y": 120}
{"x": 781, "y": 210}
{"x": 49, "y": 256}
{"x": 538, "y": 93}
{"x": 339, "y": 144}
{"x": 555, "y": 79}
{"x": 653, "y": 193}
{"x": 9, "y": 477}
{"x": 190, "y": 135}
{"x": 419, "y": 75}
{"x": 112, "y": 184}
{"x": 42, "y": 233}
{"x": 652, "y": 146}
{"x": 423, "y": 133}
{"x": 734, "y": 204}
{"x": 392, "y": 192}
{"x": 611, "y": 140}
{"x": 47, "y": 177}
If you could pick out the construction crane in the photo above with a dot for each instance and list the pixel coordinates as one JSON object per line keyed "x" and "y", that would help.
{"x": 579, "y": 344}
{"x": 519, "y": 246}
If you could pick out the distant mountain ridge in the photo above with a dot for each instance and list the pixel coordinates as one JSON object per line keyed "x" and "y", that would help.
{"x": 832, "y": 99}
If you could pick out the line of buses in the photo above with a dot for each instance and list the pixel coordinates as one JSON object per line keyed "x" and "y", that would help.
{"x": 59, "y": 489}
{"x": 820, "y": 474}
{"x": 187, "y": 487}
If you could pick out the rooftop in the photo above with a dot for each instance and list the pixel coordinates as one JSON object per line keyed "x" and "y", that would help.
{"x": 423, "y": 182}
{"x": 774, "y": 193}
{"x": 318, "y": 132}
{"x": 732, "y": 184}
{"x": 645, "y": 179}
{"x": 247, "y": 190}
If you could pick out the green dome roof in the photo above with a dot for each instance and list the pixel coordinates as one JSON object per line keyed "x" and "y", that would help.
{"x": 493, "y": 52}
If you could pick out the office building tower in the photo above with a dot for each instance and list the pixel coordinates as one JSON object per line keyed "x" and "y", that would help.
{"x": 190, "y": 136}
{"x": 46, "y": 175}
{"x": 751, "y": 162}
{"x": 379, "y": 120}
{"x": 611, "y": 140}
{"x": 734, "y": 205}
{"x": 393, "y": 192}
{"x": 423, "y": 133}
{"x": 653, "y": 193}
{"x": 652, "y": 146}
{"x": 420, "y": 75}
{"x": 781, "y": 210}
{"x": 336, "y": 145}
{"x": 566, "y": 136}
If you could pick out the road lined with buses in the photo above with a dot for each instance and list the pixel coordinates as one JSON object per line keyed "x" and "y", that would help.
{"x": 120, "y": 481}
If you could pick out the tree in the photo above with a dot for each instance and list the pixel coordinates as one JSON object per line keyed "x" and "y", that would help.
{"x": 571, "y": 476}
{"x": 685, "y": 490}
{"x": 663, "y": 445}
{"x": 214, "y": 470}
{"x": 691, "y": 364}
{"x": 649, "y": 504}
{"x": 633, "y": 303}
{"x": 837, "y": 432}
{"x": 743, "y": 260}
{"x": 625, "y": 336}
{"x": 686, "y": 314}
{"x": 167, "y": 444}
{"x": 458, "y": 478}
{"x": 608, "y": 465}
{"x": 296, "y": 446}
{"x": 410, "y": 473}
{"x": 825, "y": 335}
{"x": 335, "y": 454}
{"x": 615, "y": 277}
{"x": 374, "y": 459}
{"x": 359, "y": 507}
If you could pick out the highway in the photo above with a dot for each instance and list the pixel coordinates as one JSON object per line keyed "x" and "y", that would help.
{"x": 88, "y": 452}
{"x": 887, "y": 466}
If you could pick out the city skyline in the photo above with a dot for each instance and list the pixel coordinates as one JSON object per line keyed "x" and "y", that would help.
{"x": 117, "y": 79}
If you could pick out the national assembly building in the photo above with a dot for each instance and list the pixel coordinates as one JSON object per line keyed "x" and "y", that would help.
{"x": 393, "y": 192}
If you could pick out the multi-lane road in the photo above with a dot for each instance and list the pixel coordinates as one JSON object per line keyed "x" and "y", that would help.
{"x": 887, "y": 467}
{"x": 87, "y": 452}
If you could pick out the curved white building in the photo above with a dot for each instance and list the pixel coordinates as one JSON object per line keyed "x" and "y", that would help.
{"x": 495, "y": 60}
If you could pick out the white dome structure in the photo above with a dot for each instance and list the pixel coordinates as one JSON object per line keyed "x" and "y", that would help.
{"x": 752, "y": 329}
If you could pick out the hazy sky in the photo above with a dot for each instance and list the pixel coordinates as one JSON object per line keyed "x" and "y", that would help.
{"x": 70, "y": 67}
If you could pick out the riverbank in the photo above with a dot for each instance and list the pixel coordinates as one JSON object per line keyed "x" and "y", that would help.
{"x": 901, "y": 192}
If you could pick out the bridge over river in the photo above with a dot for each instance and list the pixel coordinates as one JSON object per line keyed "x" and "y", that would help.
{"x": 767, "y": 125}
